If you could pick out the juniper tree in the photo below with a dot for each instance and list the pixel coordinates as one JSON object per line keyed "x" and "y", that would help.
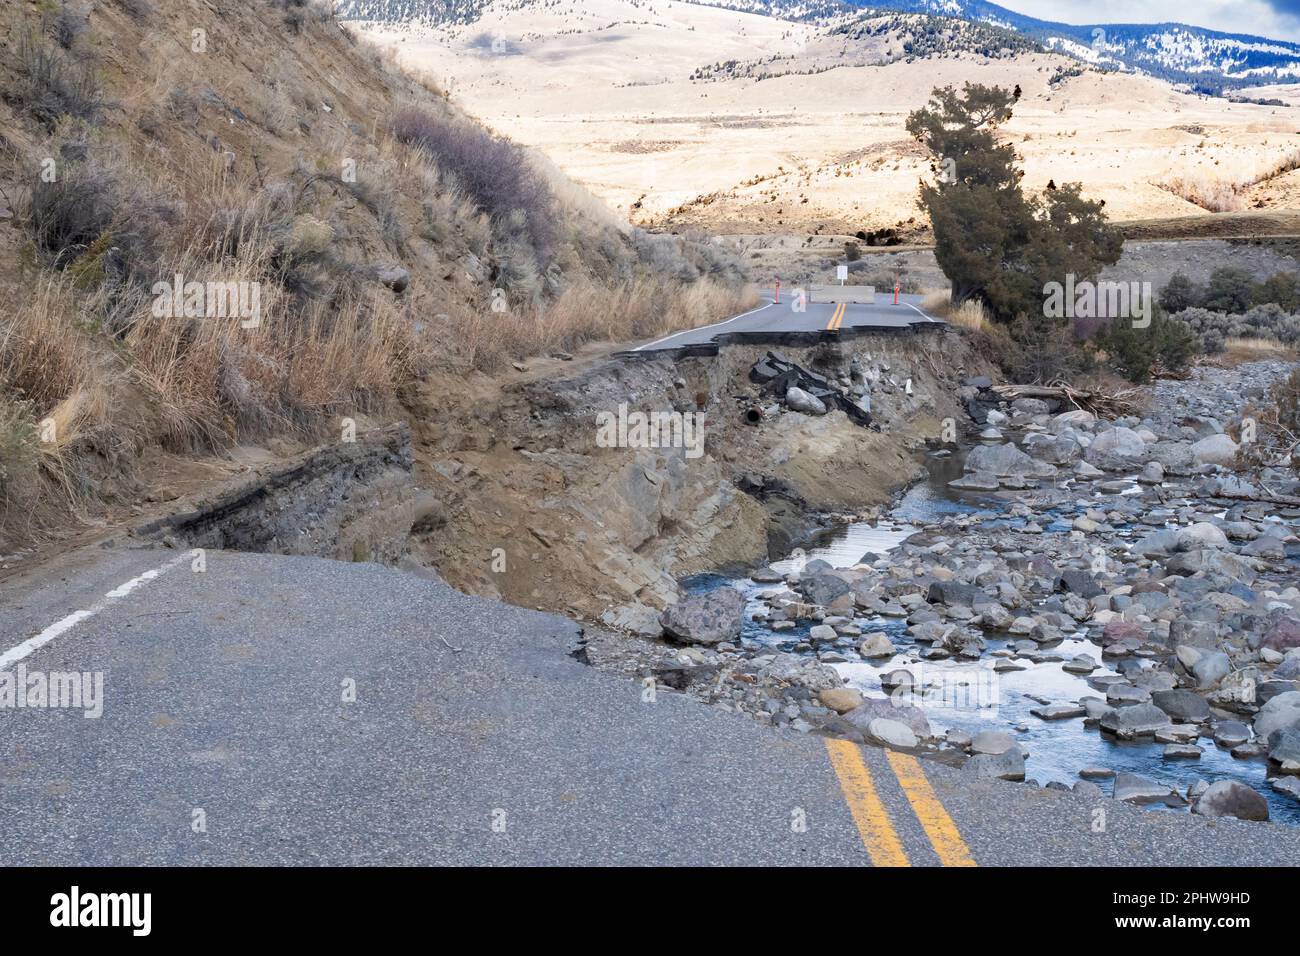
{"x": 995, "y": 244}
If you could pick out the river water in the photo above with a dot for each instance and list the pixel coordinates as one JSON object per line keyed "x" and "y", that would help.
{"x": 1055, "y": 750}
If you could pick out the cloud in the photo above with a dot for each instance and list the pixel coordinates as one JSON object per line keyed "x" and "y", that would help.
{"x": 1279, "y": 19}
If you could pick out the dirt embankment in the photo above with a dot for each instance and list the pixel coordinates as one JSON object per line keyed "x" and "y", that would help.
{"x": 537, "y": 513}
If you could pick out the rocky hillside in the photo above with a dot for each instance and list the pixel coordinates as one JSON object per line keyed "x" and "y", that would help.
{"x": 235, "y": 224}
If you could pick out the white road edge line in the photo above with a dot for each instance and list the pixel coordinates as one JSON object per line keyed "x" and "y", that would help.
{"x": 703, "y": 327}
{"x": 920, "y": 313}
{"x": 17, "y": 653}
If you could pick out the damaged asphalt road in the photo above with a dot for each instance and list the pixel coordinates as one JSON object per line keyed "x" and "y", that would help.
{"x": 475, "y": 736}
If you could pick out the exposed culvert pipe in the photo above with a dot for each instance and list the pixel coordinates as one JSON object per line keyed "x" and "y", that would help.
{"x": 754, "y": 415}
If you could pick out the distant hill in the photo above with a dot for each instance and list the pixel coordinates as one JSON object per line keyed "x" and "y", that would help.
{"x": 1205, "y": 60}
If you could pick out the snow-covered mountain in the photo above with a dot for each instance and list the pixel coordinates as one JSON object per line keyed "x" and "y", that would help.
{"x": 1206, "y": 60}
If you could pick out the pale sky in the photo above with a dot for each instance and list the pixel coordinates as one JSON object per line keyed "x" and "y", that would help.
{"x": 1279, "y": 19}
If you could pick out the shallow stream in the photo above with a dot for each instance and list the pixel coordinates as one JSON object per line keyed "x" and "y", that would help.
{"x": 1055, "y": 750}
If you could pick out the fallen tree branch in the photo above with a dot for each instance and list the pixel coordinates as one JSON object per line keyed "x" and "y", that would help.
{"x": 1119, "y": 403}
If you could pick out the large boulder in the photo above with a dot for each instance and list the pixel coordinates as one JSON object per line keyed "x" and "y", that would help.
{"x": 954, "y": 592}
{"x": 1181, "y": 704}
{"x": 1006, "y": 461}
{"x": 1118, "y": 442}
{"x": 1215, "y": 450}
{"x": 709, "y": 618}
{"x": 1077, "y": 419}
{"x": 1054, "y": 449}
{"x": 1228, "y": 798}
{"x": 1201, "y": 535}
{"x": 823, "y": 588}
{"x": 1211, "y": 668}
{"x": 1081, "y": 583}
{"x": 1280, "y": 713}
{"x": 876, "y": 645}
{"x": 1135, "y": 720}
{"x": 1284, "y": 750}
{"x": 1211, "y": 561}
{"x": 1158, "y": 544}
{"x": 1283, "y": 635}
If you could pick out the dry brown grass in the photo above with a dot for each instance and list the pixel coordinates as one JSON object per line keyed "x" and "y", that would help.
{"x": 1238, "y": 350}
{"x": 1214, "y": 195}
{"x": 969, "y": 315}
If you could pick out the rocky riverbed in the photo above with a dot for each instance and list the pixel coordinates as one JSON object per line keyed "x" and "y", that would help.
{"x": 1108, "y": 606}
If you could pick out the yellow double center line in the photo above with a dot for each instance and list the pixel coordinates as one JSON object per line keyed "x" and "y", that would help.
{"x": 872, "y": 819}
{"x": 837, "y": 318}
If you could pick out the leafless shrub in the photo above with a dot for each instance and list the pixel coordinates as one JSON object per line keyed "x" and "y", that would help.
{"x": 139, "y": 9}
{"x": 52, "y": 84}
{"x": 496, "y": 173}
{"x": 69, "y": 23}
{"x": 94, "y": 202}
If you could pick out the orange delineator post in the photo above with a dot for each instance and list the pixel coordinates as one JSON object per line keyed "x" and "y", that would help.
{"x": 778, "y": 291}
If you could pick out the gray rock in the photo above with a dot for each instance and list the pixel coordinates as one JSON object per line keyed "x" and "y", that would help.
{"x": 877, "y": 644}
{"x": 1118, "y": 442}
{"x": 822, "y": 633}
{"x": 891, "y": 733}
{"x": 1231, "y": 733}
{"x": 393, "y": 276}
{"x": 1182, "y": 752}
{"x": 1288, "y": 785}
{"x": 1004, "y": 461}
{"x": 1283, "y": 636}
{"x": 800, "y": 401}
{"x": 977, "y": 481}
{"x": 1201, "y": 535}
{"x": 1284, "y": 750}
{"x": 954, "y": 592}
{"x": 1182, "y": 704}
{"x": 1059, "y": 711}
{"x": 1131, "y": 788}
{"x": 1136, "y": 720}
{"x": 1008, "y": 765}
{"x": 1097, "y": 773}
{"x": 1077, "y": 419}
{"x": 1080, "y": 664}
{"x": 1086, "y": 788}
{"x": 1153, "y": 473}
{"x": 1280, "y": 713}
{"x": 1215, "y": 450}
{"x": 874, "y": 707}
{"x": 1211, "y": 668}
{"x": 822, "y": 588}
{"x": 1157, "y": 544}
{"x": 1228, "y": 798}
{"x": 708, "y": 618}
{"x": 1081, "y": 583}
